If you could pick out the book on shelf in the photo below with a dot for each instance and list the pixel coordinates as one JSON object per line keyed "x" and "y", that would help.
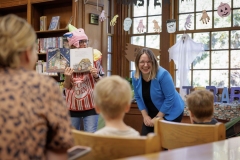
{"x": 55, "y": 22}
{"x": 80, "y": 59}
{"x": 43, "y": 23}
{"x": 53, "y": 42}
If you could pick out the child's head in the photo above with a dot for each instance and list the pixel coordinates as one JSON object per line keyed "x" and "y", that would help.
{"x": 77, "y": 38}
{"x": 112, "y": 97}
{"x": 200, "y": 104}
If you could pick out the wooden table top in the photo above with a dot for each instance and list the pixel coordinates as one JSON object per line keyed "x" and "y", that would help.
{"x": 222, "y": 150}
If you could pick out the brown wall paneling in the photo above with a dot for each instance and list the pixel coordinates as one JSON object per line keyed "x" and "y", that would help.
{"x": 97, "y": 34}
{"x": 12, "y": 3}
{"x": 165, "y": 36}
{"x": 20, "y": 11}
{"x": 120, "y": 65}
{"x": 94, "y": 32}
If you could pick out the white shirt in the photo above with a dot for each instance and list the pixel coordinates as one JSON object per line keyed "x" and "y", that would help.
{"x": 109, "y": 131}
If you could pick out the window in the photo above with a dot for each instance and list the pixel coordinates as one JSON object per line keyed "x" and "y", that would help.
{"x": 109, "y": 50}
{"x": 109, "y": 56}
{"x": 142, "y": 32}
{"x": 219, "y": 65}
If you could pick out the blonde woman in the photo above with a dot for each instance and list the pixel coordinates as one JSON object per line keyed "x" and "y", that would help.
{"x": 34, "y": 120}
{"x": 154, "y": 91}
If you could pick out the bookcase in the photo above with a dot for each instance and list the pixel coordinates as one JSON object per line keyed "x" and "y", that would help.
{"x": 32, "y": 10}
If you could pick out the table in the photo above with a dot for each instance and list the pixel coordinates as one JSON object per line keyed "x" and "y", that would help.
{"x": 228, "y": 149}
{"x": 223, "y": 112}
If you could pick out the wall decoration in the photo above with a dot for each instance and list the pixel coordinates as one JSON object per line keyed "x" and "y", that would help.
{"x": 171, "y": 25}
{"x": 93, "y": 18}
{"x": 188, "y": 22}
{"x": 140, "y": 2}
{"x": 140, "y": 27}
{"x": 183, "y": 0}
{"x": 156, "y": 27}
{"x": 132, "y": 50}
{"x": 183, "y": 54}
{"x": 223, "y": 10}
{"x": 127, "y": 24}
{"x": 114, "y": 20}
{"x": 102, "y": 16}
{"x": 205, "y": 18}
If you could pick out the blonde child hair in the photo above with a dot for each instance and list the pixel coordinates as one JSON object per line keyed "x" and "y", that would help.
{"x": 16, "y": 36}
{"x": 201, "y": 104}
{"x": 112, "y": 95}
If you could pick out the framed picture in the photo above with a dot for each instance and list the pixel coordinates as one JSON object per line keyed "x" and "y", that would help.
{"x": 93, "y": 18}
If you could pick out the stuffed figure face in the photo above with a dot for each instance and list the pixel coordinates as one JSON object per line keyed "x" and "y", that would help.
{"x": 223, "y": 10}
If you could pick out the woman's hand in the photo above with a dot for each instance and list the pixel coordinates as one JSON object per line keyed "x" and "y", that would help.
{"x": 68, "y": 72}
{"x": 94, "y": 72}
{"x": 148, "y": 121}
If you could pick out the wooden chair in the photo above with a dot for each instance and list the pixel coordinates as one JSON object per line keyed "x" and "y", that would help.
{"x": 175, "y": 135}
{"x": 106, "y": 147}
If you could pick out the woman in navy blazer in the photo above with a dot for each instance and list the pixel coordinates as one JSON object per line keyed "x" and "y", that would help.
{"x": 154, "y": 91}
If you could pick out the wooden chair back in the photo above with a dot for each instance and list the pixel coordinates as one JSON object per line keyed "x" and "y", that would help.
{"x": 176, "y": 135}
{"x": 111, "y": 147}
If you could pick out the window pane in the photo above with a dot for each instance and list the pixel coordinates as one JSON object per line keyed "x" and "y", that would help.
{"x": 182, "y": 20}
{"x": 109, "y": 62}
{"x": 220, "y": 59}
{"x": 236, "y": 17}
{"x": 186, "y": 6}
{"x": 220, "y": 40}
{"x": 219, "y": 78}
{"x": 201, "y": 62}
{"x": 132, "y": 66}
{"x": 109, "y": 44}
{"x": 130, "y": 74}
{"x": 235, "y": 78}
{"x": 178, "y": 36}
{"x": 235, "y": 59}
{"x": 154, "y": 24}
{"x": 153, "y": 41}
{"x": 188, "y": 79}
{"x": 136, "y": 22}
{"x": 203, "y": 38}
{"x": 152, "y": 10}
{"x": 109, "y": 74}
{"x": 236, "y": 3}
{"x": 235, "y": 39}
{"x": 218, "y": 2}
{"x": 199, "y": 22}
{"x": 221, "y": 22}
{"x": 203, "y": 5}
{"x": 139, "y": 10}
{"x": 201, "y": 78}
{"x": 137, "y": 40}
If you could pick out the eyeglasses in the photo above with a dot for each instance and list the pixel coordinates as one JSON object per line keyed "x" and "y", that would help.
{"x": 143, "y": 63}
{"x": 83, "y": 41}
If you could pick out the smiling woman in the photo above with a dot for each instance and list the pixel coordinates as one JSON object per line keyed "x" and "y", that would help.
{"x": 154, "y": 91}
